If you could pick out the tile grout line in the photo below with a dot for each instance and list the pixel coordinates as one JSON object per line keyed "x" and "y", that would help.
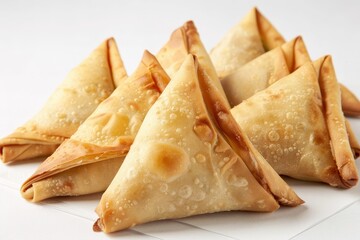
{"x": 197, "y": 227}
{"x": 88, "y": 219}
{"x": 323, "y": 220}
{"x": 8, "y": 186}
{"x": 70, "y": 213}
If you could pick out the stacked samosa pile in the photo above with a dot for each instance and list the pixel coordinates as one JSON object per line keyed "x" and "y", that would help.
{"x": 87, "y": 162}
{"x": 273, "y": 131}
{"x": 189, "y": 158}
{"x": 98, "y": 147}
{"x": 254, "y": 36}
{"x": 166, "y": 144}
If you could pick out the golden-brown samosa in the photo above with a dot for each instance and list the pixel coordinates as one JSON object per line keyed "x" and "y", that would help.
{"x": 87, "y": 162}
{"x": 298, "y": 126}
{"x": 183, "y": 41}
{"x": 83, "y": 89}
{"x": 250, "y": 38}
{"x": 264, "y": 70}
{"x": 190, "y": 157}
{"x": 268, "y": 68}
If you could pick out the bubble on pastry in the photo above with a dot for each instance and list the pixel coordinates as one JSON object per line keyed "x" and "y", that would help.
{"x": 198, "y": 196}
{"x": 289, "y": 128}
{"x": 236, "y": 181}
{"x": 279, "y": 152}
{"x": 261, "y": 203}
{"x": 160, "y": 209}
{"x": 61, "y": 115}
{"x": 185, "y": 191}
{"x": 200, "y": 158}
{"x": 272, "y": 147}
{"x": 289, "y": 115}
{"x": 131, "y": 173}
{"x": 173, "y": 116}
{"x": 163, "y": 187}
{"x": 273, "y": 136}
{"x": 196, "y": 181}
{"x": 171, "y": 207}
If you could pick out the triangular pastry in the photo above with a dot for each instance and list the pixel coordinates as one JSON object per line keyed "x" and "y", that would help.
{"x": 250, "y": 38}
{"x": 190, "y": 157}
{"x": 87, "y": 162}
{"x": 83, "y": 89}
{"x": 183, "y": 41}
{"x": 298, "y": 126}
{"x": 268, "y": 68}
{"x": 264, "y": 70}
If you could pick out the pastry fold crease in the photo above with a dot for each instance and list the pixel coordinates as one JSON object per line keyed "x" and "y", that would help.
{"x": 96, "y": 150}
{"x": 190, "y": 157}
{"x": 83, "y": 89}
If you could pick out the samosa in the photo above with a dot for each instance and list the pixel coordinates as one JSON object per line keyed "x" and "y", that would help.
{"x": 83, "y": 89}
{"x": 183, "y": 41}
{"x": 264, "y": 70}
{"x": 190, "y": 157}
{"x": 298, "y": 126}
{"x": 268, "y": 68}
{"x": 87, "y": 162}
{"x": 249, "y": 39}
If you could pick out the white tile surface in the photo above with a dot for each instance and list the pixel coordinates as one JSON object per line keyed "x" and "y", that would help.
{"x": 344, "y": 223}
{"x": 40, "y": 41}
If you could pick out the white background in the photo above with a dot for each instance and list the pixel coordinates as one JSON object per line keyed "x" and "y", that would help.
{"x": 40, "y": 41}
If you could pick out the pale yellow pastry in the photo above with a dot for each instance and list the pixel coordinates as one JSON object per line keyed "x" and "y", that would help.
{"x": 88, "y": 161}
{"x": 298, "y": 126}
{"x": 190, "y": 157}
{"x": 83, "y": 89}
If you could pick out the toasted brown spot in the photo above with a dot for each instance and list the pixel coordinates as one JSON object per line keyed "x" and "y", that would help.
{"x": 314, "y": 112}
{"x": 318, "y": 138}
{"x": 96, "y": 226}
{"x": 275, "y": 96}
{"x": 325, "y": 69}
{"x": 167, "y": 161}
